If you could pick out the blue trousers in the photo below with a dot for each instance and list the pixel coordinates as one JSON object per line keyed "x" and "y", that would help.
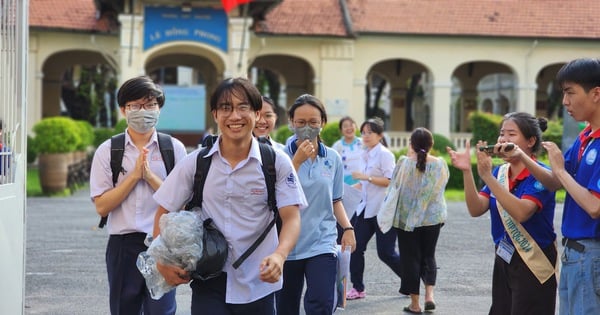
{"x": 579, "y": 285}
{"x": 386, "y": 248}
{"x": 127, "y": 287}
{"x": 208, "y": 297}
{"x": 320, "y": 273}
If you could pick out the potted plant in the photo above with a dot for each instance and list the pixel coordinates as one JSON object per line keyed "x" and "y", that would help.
{"x": 55, "y": 139}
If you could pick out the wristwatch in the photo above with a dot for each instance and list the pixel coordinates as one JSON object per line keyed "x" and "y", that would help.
{"x": 348, "y": 228}
{"x": 370, "y": 179}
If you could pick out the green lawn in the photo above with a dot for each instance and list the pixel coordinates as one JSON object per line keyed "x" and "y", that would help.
{"x": 34, "y": 189}
{"x": 459, "y": 195}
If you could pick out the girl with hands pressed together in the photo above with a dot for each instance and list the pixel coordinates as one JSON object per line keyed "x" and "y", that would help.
{"x": 521, "y": 213}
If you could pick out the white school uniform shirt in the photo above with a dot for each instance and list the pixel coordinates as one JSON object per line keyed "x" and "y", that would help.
{"x": 378, "y": 162}
{"x": 136, "y": 212}
{"x": 236, "y": 200}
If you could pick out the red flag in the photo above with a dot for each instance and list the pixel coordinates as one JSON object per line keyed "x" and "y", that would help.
{"x": 228, "y": 5}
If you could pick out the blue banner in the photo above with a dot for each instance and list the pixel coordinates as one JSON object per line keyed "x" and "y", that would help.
{"x": 167, "y": 24}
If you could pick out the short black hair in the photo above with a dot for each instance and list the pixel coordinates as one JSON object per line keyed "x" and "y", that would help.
{"x": 140, "y": 87}
{"x": 584, "y": 71}
{"x": 242, "y": 88}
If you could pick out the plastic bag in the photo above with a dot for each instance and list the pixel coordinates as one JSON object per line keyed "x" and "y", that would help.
{"x": 179, "y": 243}
{"x": 214, "y": 253}
{"x": 343, "y": 274}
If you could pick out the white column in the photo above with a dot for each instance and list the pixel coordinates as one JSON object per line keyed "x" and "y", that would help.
{"x": 440, "y": 109}
{"x": 239, "y": 43}
{"x": 526, "y": 99}
{"x": 130, "y": 50}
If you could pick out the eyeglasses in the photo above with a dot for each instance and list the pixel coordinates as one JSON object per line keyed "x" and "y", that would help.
{"x": 147, "y": 106}
{"x": 227, "y": 109}
{"x": 312, "y": 123}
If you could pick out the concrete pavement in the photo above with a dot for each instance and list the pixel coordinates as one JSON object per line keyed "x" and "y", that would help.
{"x": 65, "y": 270}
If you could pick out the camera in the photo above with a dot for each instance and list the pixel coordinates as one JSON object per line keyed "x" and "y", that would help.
{"x": 490, "y": 148}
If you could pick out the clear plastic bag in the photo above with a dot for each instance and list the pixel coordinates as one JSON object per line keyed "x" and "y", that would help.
{"x": 179, "y": 244}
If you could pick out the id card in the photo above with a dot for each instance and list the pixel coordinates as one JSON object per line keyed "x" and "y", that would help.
{"x": 505, "y": 250}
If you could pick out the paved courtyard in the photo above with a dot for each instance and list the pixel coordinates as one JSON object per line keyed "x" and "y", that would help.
{"x": 65, "y": 270}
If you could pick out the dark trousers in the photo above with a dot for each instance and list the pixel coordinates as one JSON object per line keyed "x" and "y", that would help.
{"x": 516, "y": 291}
{"x": 418, "y": 257}
{"x": 386, "y": 248}
{"x": 208, "y": 297}
{"x": 320, "y": 273}
{"x": 127, "y": 287}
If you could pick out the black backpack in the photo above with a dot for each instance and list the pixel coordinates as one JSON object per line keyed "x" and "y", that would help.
{"x": 117, "y": 148}
{"x": 212, "y": 263}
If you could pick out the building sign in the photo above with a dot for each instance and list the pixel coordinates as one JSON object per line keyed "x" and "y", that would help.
{"x": 167, "y": 24}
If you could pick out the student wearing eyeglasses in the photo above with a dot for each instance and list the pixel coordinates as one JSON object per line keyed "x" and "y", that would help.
{"x": 128, "y": 204}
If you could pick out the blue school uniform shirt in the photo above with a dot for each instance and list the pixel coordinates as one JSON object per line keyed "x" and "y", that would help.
{"x": 576, "y": 223}
{"x": 323, "y": 183}
{"x": 540, "y": 224}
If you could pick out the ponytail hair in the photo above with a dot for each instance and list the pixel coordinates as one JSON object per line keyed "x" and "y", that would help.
{"x": 421, "y": 141}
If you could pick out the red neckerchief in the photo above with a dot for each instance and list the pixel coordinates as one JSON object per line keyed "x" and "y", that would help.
{"x": 585, "y": 137}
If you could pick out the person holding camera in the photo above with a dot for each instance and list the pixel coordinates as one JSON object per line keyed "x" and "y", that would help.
{"x": 236, "y": 201}
{"x": 521, "y": 213}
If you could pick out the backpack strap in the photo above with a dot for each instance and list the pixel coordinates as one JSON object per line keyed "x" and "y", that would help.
{"x": 165, "y": 144}
{"x": 202, "y": 166}
{"x": 117, "y": 148}
{"x": 267, "y": 154}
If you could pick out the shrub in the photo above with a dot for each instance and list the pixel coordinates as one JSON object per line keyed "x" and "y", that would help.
{"x": 554, "y": 133}
{"x": 485, "y": 127}
{"x": 31, "y": 150}
{"x": 86, "y": 132}
{"x": 120, "y": 126}
{"x": 331, "y": 133}
{"x": 282, "y": 133}
{"x": 101, "y": 135}
{"x": 440, "y": 143}
{"x": 56, "y": 135}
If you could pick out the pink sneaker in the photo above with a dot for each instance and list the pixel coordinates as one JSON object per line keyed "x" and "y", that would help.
{"x": 355, "y": 294}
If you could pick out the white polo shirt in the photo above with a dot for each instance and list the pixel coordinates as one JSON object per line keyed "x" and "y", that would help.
{"x": 236, "y": 199}
{"x": 378, "y": 162}
{"x": 136, "y": 212}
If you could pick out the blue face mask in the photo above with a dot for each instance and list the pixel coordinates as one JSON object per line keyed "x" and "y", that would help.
{"x": 306, "y": 132}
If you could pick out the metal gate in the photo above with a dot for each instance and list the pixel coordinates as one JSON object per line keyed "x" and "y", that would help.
{"x": 13, "y": 153}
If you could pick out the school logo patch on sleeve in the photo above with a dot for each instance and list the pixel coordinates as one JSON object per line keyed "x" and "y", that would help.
{"x": 590, "y": 157}
{"x": 538, "y": 186}
{"x": 291, "y": 180}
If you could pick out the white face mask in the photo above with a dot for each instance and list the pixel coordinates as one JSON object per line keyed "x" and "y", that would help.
{"x": 142, "y": 121}
{"x": 306, "y": 132}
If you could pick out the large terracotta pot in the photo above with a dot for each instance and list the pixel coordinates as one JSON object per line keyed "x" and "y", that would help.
{"x": 53, "y": 171}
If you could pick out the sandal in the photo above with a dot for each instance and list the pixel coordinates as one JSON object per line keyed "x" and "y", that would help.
{"x": 407, "y": 309}
{"x": 429, "y": 307}
{"x": 355, "y": 294}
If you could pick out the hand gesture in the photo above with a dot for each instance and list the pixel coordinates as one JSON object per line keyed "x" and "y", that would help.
{"x": 461, "y": 160}
{"x": 173, "y": 275}
{"x": 305, "y": 150}
{"x": 271, "y": 268}
{"x": 555, "y": 156}
{"x": 484, "y": 161}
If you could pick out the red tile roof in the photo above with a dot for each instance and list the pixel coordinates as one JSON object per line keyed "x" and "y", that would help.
{"x": 76, "y": 15}
{"x": 512, "y": 18}
{"x": 305, "y": 17}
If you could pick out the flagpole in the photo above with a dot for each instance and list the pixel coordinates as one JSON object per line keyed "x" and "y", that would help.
{"x": 244, "y": 30}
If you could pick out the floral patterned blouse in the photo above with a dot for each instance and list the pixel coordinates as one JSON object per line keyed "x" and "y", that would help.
{"x": 420, "y": 196}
